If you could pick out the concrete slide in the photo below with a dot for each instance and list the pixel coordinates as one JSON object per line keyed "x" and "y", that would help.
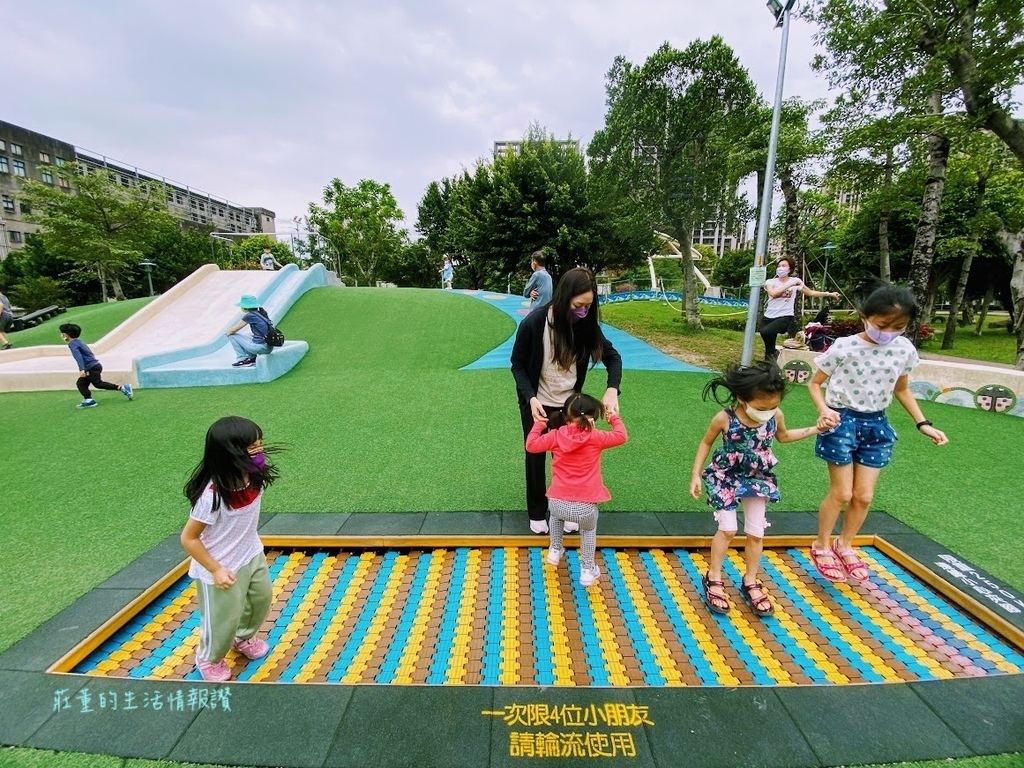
{"x": 177, "y": 340}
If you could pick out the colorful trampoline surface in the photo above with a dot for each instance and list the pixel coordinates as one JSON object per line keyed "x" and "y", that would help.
{"x": 499, "y": 616}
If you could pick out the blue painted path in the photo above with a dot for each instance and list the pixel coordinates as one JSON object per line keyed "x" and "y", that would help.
{"x": 636, "y": 355}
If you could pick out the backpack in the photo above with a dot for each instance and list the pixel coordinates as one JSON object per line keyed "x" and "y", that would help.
{"x": 273, "y": 336}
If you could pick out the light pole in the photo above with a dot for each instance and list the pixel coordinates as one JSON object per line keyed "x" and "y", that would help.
{"x": 148, "y": 266}
{"x": 827, "y": 248}
{"x": 758, "y": 271}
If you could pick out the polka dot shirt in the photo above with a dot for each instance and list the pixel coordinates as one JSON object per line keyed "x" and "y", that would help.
{"x": 863, "y": 375}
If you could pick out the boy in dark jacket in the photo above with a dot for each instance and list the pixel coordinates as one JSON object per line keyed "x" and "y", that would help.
{"x": 89, "y": 367}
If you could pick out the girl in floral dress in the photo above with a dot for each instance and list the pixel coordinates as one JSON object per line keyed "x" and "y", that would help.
{"x": 740, "y": 473}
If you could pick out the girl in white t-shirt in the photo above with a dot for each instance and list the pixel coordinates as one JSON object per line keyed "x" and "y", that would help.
{"x": 863, "y": 372}
{"x": 780, "y": 309}
{"x": 228, "y": 565}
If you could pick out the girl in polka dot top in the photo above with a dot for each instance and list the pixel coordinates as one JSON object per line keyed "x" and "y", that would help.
{"x": 863, "y": 373}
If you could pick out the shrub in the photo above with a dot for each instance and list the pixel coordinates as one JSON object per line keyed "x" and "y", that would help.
{"x": 847, "y": 327}
{"x": 34, "y": 293}
{"x": 624, "y": 288}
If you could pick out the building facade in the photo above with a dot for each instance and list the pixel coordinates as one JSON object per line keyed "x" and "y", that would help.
{"x": 721, "y": 236}
{"x": 26, "y": 154}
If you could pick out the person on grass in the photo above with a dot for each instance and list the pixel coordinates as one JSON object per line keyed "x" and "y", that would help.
{"x": 538, "y": 288}
{"x": 576, "y": 484}
{"x": 89, "y": 368}
{"x": 6, "y": 318}
{"x": 555, "y": 344}
{"x": 780, "y": 309}
{"x": 447, "y": 274}
{"x": 248, "y": 348}
{"x": 230, "y": 570}
{"x": 863, "y": 372}
{"x": 741, "y": 473}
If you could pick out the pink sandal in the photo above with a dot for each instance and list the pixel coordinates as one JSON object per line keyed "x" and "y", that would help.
{"x": 855, "y": 567}
{"x": 831, "y": 568}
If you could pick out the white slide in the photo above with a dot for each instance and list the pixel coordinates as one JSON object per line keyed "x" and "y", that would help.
{"x": 195, "y": 311}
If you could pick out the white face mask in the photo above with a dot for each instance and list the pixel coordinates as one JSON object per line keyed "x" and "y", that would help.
{"x": 761, "y": 417}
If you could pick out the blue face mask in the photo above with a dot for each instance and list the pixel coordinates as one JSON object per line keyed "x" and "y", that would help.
{"x": 579, "y": 313}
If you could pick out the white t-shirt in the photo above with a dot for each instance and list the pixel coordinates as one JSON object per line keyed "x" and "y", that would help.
{"x": 556, "y": 384}
{"x": 862, "y": 374}
{"x": 783, "y": 306}
{"x": 230, "y": 534}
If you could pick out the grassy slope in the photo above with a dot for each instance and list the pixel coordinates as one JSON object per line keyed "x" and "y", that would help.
{"x": 96, "y": 321}
{"x": 378, "y": 417}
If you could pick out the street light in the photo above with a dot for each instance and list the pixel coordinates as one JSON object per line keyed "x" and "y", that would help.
{"x": 827, "y": 248}
{"x": 758, "y": 272}
{"x": 148, "y": 266}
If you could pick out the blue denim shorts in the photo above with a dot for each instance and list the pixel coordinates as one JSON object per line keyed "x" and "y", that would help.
{"x": 862, "y": 438}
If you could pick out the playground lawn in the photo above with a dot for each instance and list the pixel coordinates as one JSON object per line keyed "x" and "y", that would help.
{"x": 96, "y": 321}
{"x": 663, "y": 326}
{"x": 378, "y": 417}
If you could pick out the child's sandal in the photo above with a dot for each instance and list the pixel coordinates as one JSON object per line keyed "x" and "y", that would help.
{"x": 716, "y": 603}
{"x": 852, "y": 564}
{"x": 762, "y": 605}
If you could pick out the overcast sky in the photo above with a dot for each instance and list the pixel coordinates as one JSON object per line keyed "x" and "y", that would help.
{"x": 263, "y": 103}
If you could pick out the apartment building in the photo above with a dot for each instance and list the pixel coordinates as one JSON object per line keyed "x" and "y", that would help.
{"x": 25, "y": 154}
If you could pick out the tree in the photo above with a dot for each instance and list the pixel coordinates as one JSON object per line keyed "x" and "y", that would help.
{"x": 668, "y": 144}
{"x": 102, "y": 225}
{"x": 866, "y": 152}
{"x": 361, "y": 224}
{"x": 797, "y": 150}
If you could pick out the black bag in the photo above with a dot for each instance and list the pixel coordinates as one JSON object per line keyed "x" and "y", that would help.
{"x": 274, "y": 337}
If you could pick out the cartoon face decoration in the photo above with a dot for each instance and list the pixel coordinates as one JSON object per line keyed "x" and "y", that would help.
{"x": 995, "y": 397}
{"x": 797, "y": 371}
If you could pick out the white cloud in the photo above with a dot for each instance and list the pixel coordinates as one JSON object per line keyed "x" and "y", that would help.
{"x": 265, "y": 102}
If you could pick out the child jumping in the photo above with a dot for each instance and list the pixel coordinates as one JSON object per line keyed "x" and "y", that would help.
{"x": 232, "y": 580}
{"x": 740, "y": 472}
{"x": 576, "y": 485}
{"x": 863, "y": 372}
{"x": 89, "y": 367}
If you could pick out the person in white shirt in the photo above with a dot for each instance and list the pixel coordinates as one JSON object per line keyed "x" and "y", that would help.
{"x": 780, "y": 309}
{"x": 863, "y": 374}
{"x": 267, "y": 260}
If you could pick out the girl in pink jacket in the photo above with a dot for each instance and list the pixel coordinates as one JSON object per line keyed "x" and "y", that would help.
{"x": 576, "y": 485}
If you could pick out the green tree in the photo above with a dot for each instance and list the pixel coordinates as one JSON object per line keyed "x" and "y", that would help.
{"x": 34, "y": 293}
{"x": 669, "y": 140}
{"x": 361, "y": 224}
{"x": 102, "y": 225}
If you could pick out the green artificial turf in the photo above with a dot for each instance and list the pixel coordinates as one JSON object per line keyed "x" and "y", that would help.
{"x": 377, "y": 417}
{"x": 96, "y": 320}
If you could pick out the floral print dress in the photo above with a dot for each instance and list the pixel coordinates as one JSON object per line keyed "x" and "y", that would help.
{"x": 742, "y": 466}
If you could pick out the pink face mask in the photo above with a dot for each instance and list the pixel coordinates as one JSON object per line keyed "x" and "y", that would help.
{"x": 881, "y": 337}
{"x": 578, "y": 313}
{"x": 782, "y": 271}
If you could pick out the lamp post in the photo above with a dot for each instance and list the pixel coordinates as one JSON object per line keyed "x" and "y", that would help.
{"x": 827, "y": 248}
{"x": 757, "y": 273}
{"x": 148, "y": 266}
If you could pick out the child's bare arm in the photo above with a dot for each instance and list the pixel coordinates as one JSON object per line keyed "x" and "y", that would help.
{"x": 786, "y": 435}
{"x": 909, "y": 402}
{"x": 718, "y": 425}
{"x": 827, "y": 417}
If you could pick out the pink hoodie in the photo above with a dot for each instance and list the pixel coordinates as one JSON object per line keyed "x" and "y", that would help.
{"x": 576, "y": 459}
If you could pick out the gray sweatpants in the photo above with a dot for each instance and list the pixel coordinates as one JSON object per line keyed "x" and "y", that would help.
{"x": 582, "y": 512}
{"x": 238, "y": 611}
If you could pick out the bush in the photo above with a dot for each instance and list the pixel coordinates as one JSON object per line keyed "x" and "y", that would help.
{"x": 624, "y": 288}
{"x": 841, "y": 328}
{"x": 34, "y": 293}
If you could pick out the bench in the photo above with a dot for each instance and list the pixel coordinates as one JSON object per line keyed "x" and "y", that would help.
{"x": 32, "y": 319}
